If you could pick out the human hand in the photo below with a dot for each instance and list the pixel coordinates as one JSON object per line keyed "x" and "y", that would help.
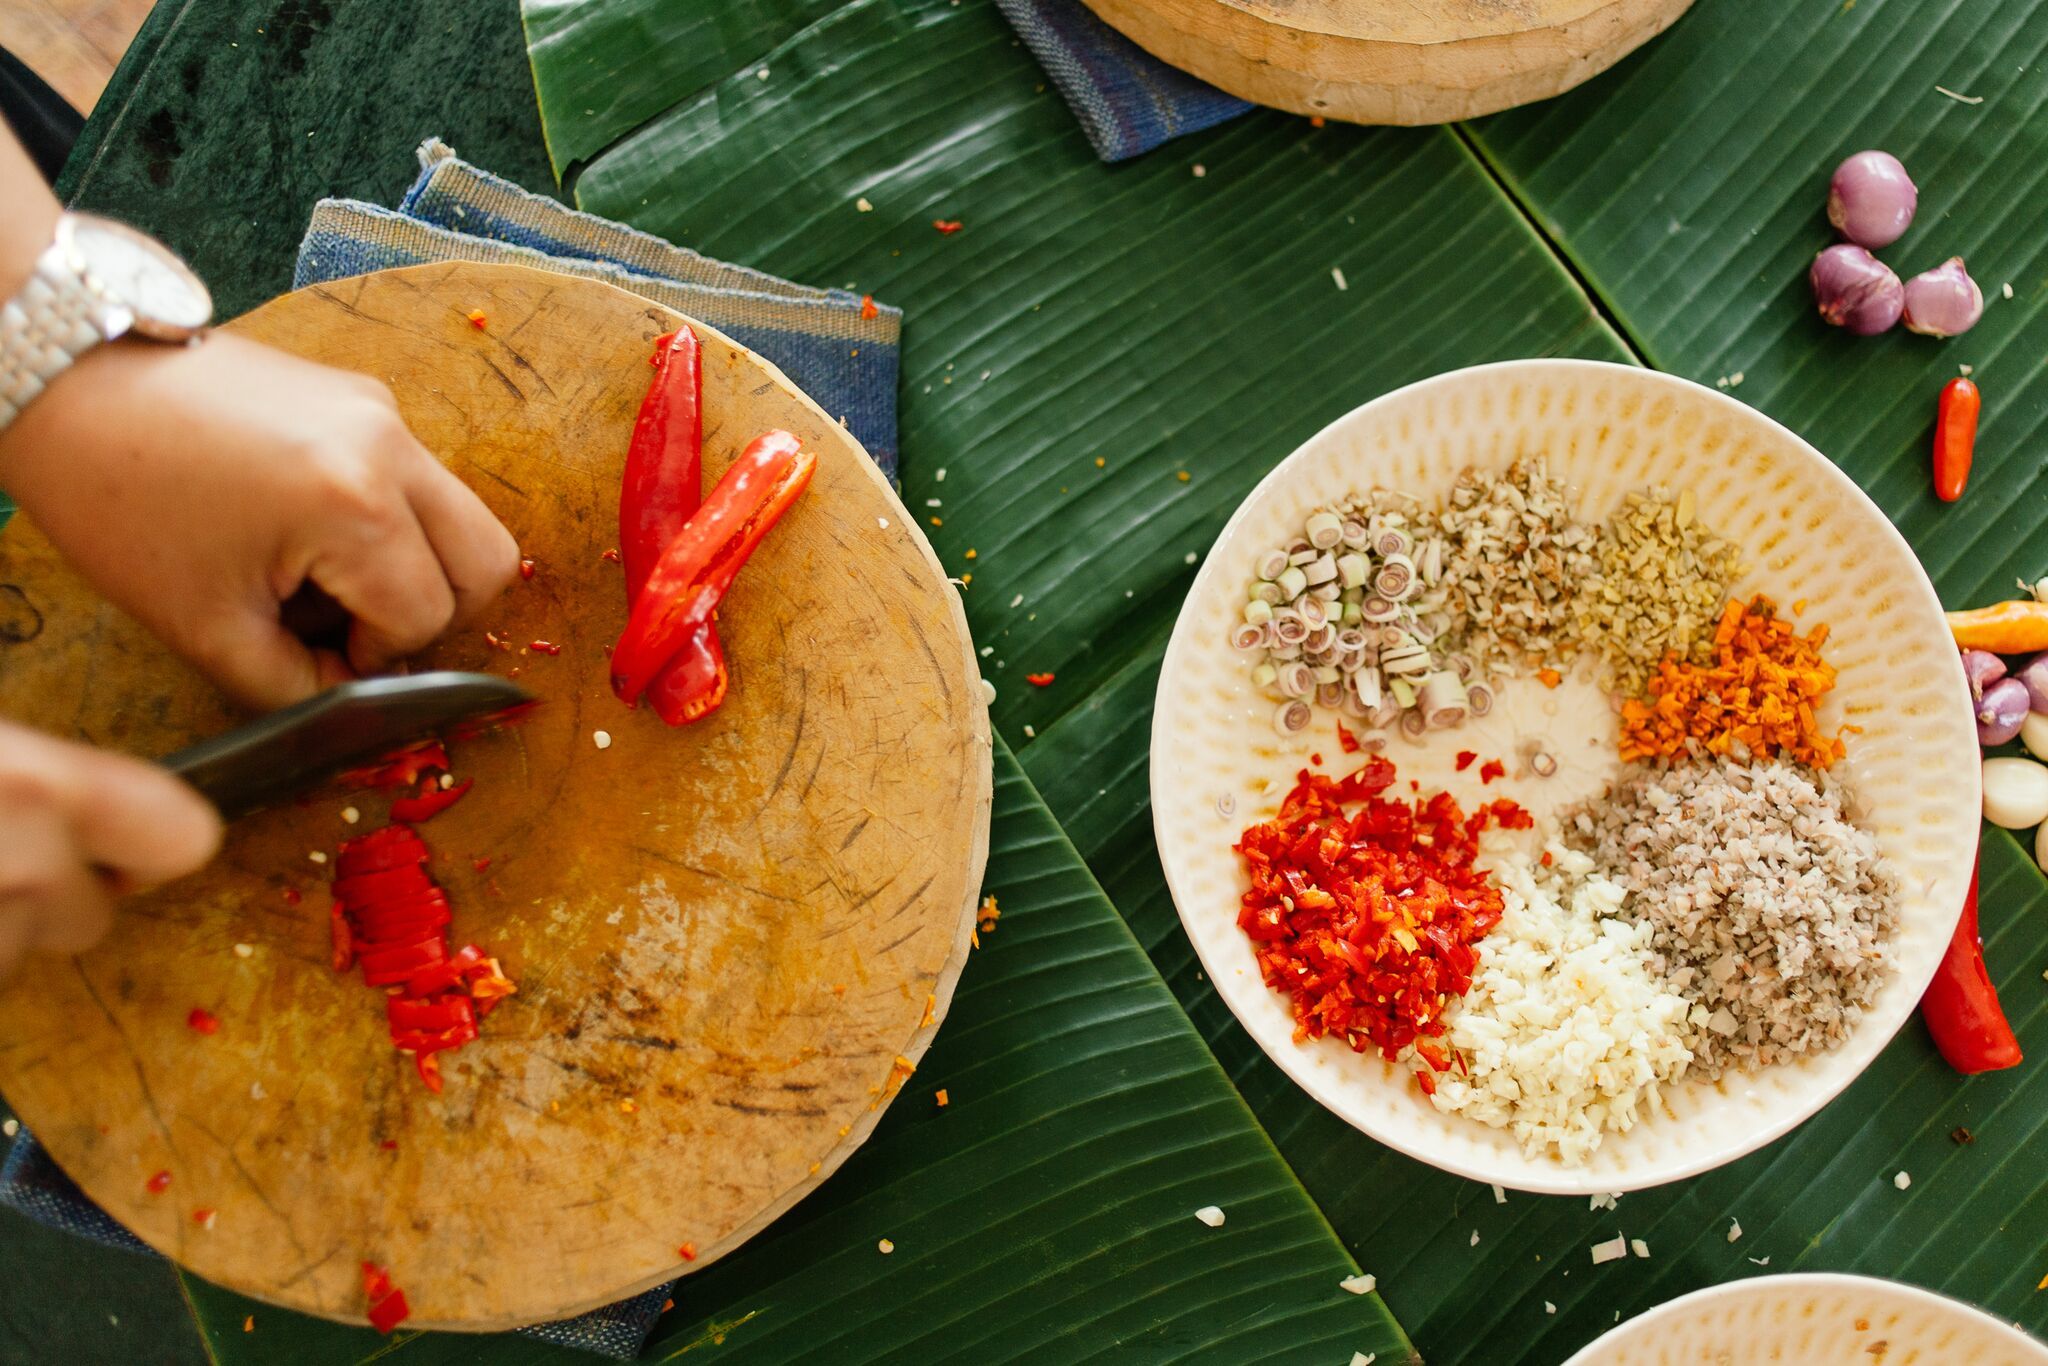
{"x": 82, "y": 827}
{"x": 198, "y": 488}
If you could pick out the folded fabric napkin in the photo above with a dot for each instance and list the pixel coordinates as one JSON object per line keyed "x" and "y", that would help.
{"x": 1128, "y": 101}
{"x": 839, "y": 350}
{"x": 838, "y": 347}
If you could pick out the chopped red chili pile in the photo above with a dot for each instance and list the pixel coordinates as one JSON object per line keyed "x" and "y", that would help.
{"x": 392, "y": 917}
{"x": 1346, "y": 741}
{"x": 946, "y": 226}
{"x": 1366, "y": 920}
{"x": 387, "y": 1306}
{"x": 1039, "y": 680}
{"x": 158, "y": 1184}
{"x": 1491, "y": 769}
{"x": 202, "y": 1021}
{"x": 1465, "y": 758}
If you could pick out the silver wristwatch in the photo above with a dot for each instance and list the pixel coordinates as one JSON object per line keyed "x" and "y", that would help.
{"x": 97, "y": 280}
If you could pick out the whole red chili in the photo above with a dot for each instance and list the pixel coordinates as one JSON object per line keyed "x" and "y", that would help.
{"x": 699, "y": 565}
{"x": 1955, "y": 438}
{"x": 1961, "y": 1005}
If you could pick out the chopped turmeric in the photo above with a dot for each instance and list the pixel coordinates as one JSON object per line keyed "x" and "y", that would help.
{"x": 1760, "y": 692}
{"x": 1549, "y": 678}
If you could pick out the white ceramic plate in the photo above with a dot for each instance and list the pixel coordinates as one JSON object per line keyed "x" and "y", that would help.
{"x": 1808, "y": 535}
{"x": 1813, "y": 1320}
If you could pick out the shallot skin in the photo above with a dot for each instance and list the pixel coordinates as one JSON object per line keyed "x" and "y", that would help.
{"x": 1855, "y": 291}
{"x": 1871, "y": 199}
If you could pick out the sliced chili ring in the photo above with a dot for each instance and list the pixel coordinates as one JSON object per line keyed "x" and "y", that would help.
{"x": 465, "y": 960}
{"x": 392, "y": 964}
{"x": 431, "y": 1015}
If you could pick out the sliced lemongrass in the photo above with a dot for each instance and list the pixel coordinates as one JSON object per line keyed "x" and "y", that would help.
{"x": 1328, "y": 592}
{"x": 1355, "y": 534}
{"x": 1292, "y": 581}
{"x": 1258, "y": 611}
{"x": 1280, "y": 653}
{"x": 1313, "y": 611}
{"x": 1352, "y": 706}
{"x": 1479, "y": 698}
{"x": 1330, "y": 695}
{"x": 1442, "y": 699}
{"x": 1542, "y": 763}
{"x": 1324, "y": 529}
{"x": 1271, "y": 564}
{"x": 1293, "y": 716}
{"x": 1409, "y": 659}
{"x": 1306, "y": 555}
{"x": 1351, "y": 638}
{"x": 1387, "y": 712}
{"x": 1298, "y": 545}
{"x": 1322, "y": 640}
{"x": 1352, "y": 613}
{"x": 1366, "y": 684}
{"x": 1395, "y": 579}
{"x": 1377, "y": 608}
{"x": 1403, "y": 691}
{"x": 1328, "y": 673}
{"x": 1265, "y": 674}
{"x": 1413, "y": 723}
{"x": 1351, "y": 570}
{"x": 1461, "y": 665}
{"x": 1391, "y": 541}
{"x": 1296, "y": 680}
{"x": 1322, "y": 569}
{"x": 1268, "y": 593}
{"x": 1290, "y": 627}
{"x": 1315, "y": 659}
{"x": 1431, "y": 562}
{"x": 1250, "y": 636}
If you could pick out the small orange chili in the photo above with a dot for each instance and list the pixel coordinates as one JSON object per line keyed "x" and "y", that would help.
{"x": 1955, "y": 438}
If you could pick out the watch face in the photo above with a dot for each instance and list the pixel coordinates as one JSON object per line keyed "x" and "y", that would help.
{"x": 140, "y": 273}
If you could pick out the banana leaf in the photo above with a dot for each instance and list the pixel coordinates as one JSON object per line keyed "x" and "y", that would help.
{"x": 1046, "y": 1213}
{"x": 1825, "y": 1192}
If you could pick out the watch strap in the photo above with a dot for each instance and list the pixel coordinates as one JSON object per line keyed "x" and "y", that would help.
{"x": 51, "y": 323}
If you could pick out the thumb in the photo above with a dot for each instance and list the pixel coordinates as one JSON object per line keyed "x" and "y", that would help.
{"x": 137, "y": 820}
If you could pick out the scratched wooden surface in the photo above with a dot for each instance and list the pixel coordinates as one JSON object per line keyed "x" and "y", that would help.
{"x": 729, "y": 938}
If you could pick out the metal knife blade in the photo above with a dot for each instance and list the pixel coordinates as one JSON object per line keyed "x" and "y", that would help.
{"x": 303, "y": 746}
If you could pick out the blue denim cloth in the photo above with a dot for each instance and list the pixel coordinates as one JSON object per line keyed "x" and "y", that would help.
{"x": 846, "y": 362}
{"x": 1128, "y": 101}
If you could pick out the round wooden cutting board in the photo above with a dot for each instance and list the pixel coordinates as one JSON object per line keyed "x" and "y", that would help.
{"x": 1391, "y": 61}
{"x": 732, "y": 940}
